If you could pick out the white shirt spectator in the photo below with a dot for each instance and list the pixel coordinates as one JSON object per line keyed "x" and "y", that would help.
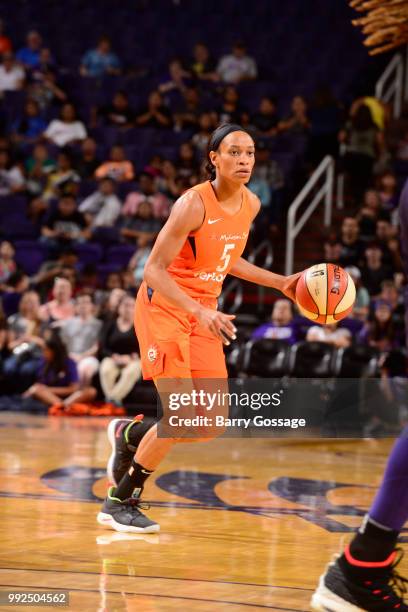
{"x": 104, "y": 209}
{"x": 12, "y": 79}
{"x": 10, "y": 180}
{"x": 62, "y": 133}
{"x": 233, "y": 69}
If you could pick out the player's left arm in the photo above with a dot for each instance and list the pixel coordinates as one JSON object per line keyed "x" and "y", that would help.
{"x": 250, "y": 272}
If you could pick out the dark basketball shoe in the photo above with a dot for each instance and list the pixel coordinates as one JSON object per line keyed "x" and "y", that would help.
{"x": 343, "y": 588}
{"x": 124, "y": 442}
{"x": 125, "y": 515}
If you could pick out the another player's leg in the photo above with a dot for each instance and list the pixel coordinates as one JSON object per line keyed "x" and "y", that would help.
{"x": 364, "y": 576}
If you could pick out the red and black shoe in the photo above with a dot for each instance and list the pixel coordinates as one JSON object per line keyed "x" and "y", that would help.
{"x": 349, "y": 585}
{"x": 124, "y": 436}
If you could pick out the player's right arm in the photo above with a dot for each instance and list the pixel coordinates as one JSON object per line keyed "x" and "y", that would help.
{"x": 186, "y": 216}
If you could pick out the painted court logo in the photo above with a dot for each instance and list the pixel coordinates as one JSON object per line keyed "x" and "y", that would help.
{"x": 152, "y": 353}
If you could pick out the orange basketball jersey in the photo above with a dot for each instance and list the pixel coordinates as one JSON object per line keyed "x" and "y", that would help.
{"x": 210, "y": 252}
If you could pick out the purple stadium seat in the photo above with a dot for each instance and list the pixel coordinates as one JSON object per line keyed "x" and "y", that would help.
{"x": 89, "y": 253}
{"x": 120, "y": 255}
{"x": 29, "y": 257}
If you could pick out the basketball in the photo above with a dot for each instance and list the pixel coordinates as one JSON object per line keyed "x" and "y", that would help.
{"x": 325, "y": 293}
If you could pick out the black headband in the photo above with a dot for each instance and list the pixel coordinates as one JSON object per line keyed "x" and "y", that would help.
{"x": 221, "y": 132}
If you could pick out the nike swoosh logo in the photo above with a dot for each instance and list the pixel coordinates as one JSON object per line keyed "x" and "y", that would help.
{"x": 145, "y": 471}
{"x": 211, "y": 221}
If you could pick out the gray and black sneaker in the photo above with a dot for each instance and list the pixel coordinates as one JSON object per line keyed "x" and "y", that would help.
{"x": 124, "y": 441}
{"x": 368, "y": 589}
{"x": 125, "y": 515}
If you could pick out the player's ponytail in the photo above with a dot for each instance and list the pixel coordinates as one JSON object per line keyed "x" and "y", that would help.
{"x": 216, "y": 139}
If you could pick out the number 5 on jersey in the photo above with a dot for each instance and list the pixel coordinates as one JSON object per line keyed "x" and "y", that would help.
{"x": 225, "y": 257}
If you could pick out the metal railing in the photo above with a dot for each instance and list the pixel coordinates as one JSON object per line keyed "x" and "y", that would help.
{"x": 326, "y": 169}
{"x": 390, "y": 85}
{"x": 233, "y": 288}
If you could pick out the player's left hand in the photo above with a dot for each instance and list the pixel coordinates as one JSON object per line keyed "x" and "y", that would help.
{"x": 289, "y": 286}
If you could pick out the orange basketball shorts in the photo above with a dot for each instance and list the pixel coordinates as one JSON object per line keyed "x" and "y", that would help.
{"x": 172, "y": 343}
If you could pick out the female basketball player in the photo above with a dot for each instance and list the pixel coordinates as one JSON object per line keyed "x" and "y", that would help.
{"x": 180, "y": 330}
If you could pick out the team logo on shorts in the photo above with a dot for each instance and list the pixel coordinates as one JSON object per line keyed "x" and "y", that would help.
{"x": 152, "y": 353}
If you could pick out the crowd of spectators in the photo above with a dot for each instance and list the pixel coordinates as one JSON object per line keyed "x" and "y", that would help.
{"x": 82, "y": 194}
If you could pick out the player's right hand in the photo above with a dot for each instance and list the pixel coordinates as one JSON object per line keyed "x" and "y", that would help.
{"x": 218, "y": 323}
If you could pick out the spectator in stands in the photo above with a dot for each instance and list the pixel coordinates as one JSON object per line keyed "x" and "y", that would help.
{"x": 340, "y": 337}
{"x": 230, "y": 110}
{"x": 142, "y": 227}
{"x": 5, "y": 42}
{"x": 187, "y": 163}
{"x": 368, "y": 214}
{"x": 374, "y": 271}
{"x": 387, "y": 190}
{"x": 61, "y": 179}
{"x": 109, "y": 309}
{"x": 177, "y": 79}
{"x": 12, "y": 75}
{"x": 202, "y": 136}
{"x": 30, "y": 127}
{"x": 237, "y": 66}
{"x": 58, "y": 377}
{"x": 117, "y": 167}
{"x": 102, "y": 208}
{"x": 167, "y": 183}
{"x": 17, "y": 283}
{"x": 352, "y": 246}
{"x": 156, "y": 114}
{"x": 45, "y": 90}
{"x": 113, "y": 281}
{"x": 38, "y": 168}
{"x": 67, "y": 130}
{"x": 269, "y": 170}
{"x": 119, "y": 354}
{"x": 387, "y": 240}
{"x": 80, "y": 335}
{"x": 281, "y": 326}
{"x": 88, "y": 161}
{"x": 381, "y": 333}
{"x": 101, "y": 60}
{"x": 119, "y": 113}
{"x": 332, "y": 249}
{"x": 362, "y": 302}
{"x": 137, "y": 263}
{"x": 67, "y": 259}
{"x": 147, "y": 191}
{"x": 187, "y": 113}
{"x": 364, "y": 142}
{"x": 298, "y": 121}
{"x": 202, "y": 65}
{"x": 24, "y": 341}
{"x": 61, "y": 307}
{"x": 390, "y": 295}
{"x": 12, "y": 179}
{"x": 265, "y": 120}
{"x": 29, "y": 56}
{"x": 260, "y": 187}
{"x": 7, "y": 264}
{"x": 154, "y": 166}
{"x": 65, "y": 227}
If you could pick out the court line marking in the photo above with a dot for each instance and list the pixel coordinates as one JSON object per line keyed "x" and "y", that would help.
{"x": 62, "y": 571}
{"x": 220, "y": 601}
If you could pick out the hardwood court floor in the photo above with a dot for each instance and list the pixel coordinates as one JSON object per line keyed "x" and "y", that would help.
{"x": 245, "y": 524}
